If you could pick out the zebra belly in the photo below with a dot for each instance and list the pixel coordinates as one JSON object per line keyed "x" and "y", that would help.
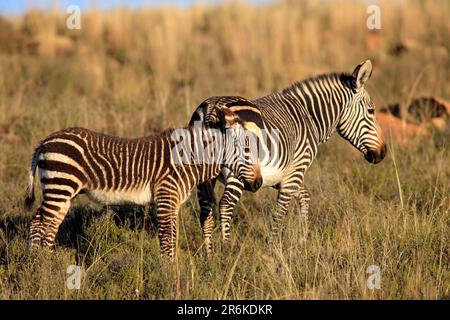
{"x": 271, "y": 176}
{"x": 137, "y": 196}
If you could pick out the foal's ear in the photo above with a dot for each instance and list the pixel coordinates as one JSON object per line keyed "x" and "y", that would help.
{"x": 361, "y": 74}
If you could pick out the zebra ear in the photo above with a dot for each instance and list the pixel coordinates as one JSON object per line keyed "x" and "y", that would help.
{"x": 361, "y": 74}
{"x": 226, "y": 117}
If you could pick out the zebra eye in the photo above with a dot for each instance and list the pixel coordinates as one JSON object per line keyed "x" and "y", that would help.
{"x": 371, "y": 111}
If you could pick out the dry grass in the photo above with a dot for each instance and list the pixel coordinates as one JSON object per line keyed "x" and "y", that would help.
{"x": 136, "y": 72}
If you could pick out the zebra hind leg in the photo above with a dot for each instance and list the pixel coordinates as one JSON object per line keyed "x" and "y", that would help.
{"x": 50, "y": 214}
{"x": 46, "y": 222}
{"x": 53, "y": 224}
{"x": 37, "y": 229}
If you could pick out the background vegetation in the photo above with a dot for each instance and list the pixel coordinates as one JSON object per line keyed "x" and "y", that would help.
{"x": 136, "y": 72}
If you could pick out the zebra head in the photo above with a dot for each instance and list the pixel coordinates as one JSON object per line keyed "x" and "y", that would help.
{"x": 357, "y": 123}
{"x": 241, "y": 156}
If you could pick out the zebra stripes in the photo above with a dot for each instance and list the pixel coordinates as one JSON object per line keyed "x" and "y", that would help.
{"x": 115, "y": 170}
{"x": 304, "y": 115}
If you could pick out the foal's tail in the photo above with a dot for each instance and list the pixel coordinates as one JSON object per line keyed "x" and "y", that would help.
{"x": 29, "y": 194}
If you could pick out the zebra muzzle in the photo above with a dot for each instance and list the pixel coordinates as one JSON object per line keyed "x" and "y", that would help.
{"x": 253, "y": 186}
{"x": 375, "y": 156}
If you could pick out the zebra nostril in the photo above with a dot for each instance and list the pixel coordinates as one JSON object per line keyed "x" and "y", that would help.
{"x": 257, "y": 184}
{"x": 383, "y": 151}
{"x": 370, "y": 157}
{"x": 375, "y": 156}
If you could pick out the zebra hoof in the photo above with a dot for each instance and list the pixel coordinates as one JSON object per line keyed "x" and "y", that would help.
{"x": 35, "y": 243}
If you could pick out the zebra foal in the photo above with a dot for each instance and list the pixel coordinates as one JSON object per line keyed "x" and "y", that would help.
{"x": 161, "y": 169}
{"x": 303, "y": 116}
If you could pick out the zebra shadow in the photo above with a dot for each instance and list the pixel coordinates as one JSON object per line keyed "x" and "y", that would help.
{"x": 72, "y": 232}
{"x": 14, "y": 226}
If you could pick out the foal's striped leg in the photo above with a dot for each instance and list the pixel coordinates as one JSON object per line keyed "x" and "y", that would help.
{"x": 167, "y": 207}
{"x": 53, "y": 222}
{"x": 57, "y": 194}
{"x": 37, "y": 229}
{"x": 46, "y": 222}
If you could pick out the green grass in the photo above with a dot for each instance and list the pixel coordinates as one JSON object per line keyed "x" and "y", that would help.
{"x": 394, "y": 215}
{"x": 356, "y": 220}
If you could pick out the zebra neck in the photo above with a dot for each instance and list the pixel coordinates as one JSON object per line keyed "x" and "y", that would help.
{"x": 324, "y": 98}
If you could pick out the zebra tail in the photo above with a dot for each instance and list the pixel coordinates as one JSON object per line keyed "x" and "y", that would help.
{"x": 29, "y": 193}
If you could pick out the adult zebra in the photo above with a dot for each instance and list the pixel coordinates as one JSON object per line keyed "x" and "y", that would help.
{"x": 114, "y": 170}
{"x": 303, "y": 116}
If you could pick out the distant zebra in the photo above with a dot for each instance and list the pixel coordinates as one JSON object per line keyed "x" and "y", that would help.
{"x": 115, "y": 170}
{"x": 303, "y": 116}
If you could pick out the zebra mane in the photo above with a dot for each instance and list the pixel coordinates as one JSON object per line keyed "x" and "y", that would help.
{"x": 164, "y": 133}
{"x": 344, "y": 78}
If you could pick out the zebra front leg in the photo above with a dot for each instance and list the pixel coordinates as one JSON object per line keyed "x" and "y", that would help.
{"x": 303, "y": 198}
{"x": 231, "y": 195}
{"x": 167, "y": 207}
{"x": 291, "y": 186}
{"x": 207, "y": 200}
{"x": 283, "y": 201}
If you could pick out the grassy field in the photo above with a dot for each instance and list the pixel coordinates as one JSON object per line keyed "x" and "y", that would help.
{"x": 134, "y": 73}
